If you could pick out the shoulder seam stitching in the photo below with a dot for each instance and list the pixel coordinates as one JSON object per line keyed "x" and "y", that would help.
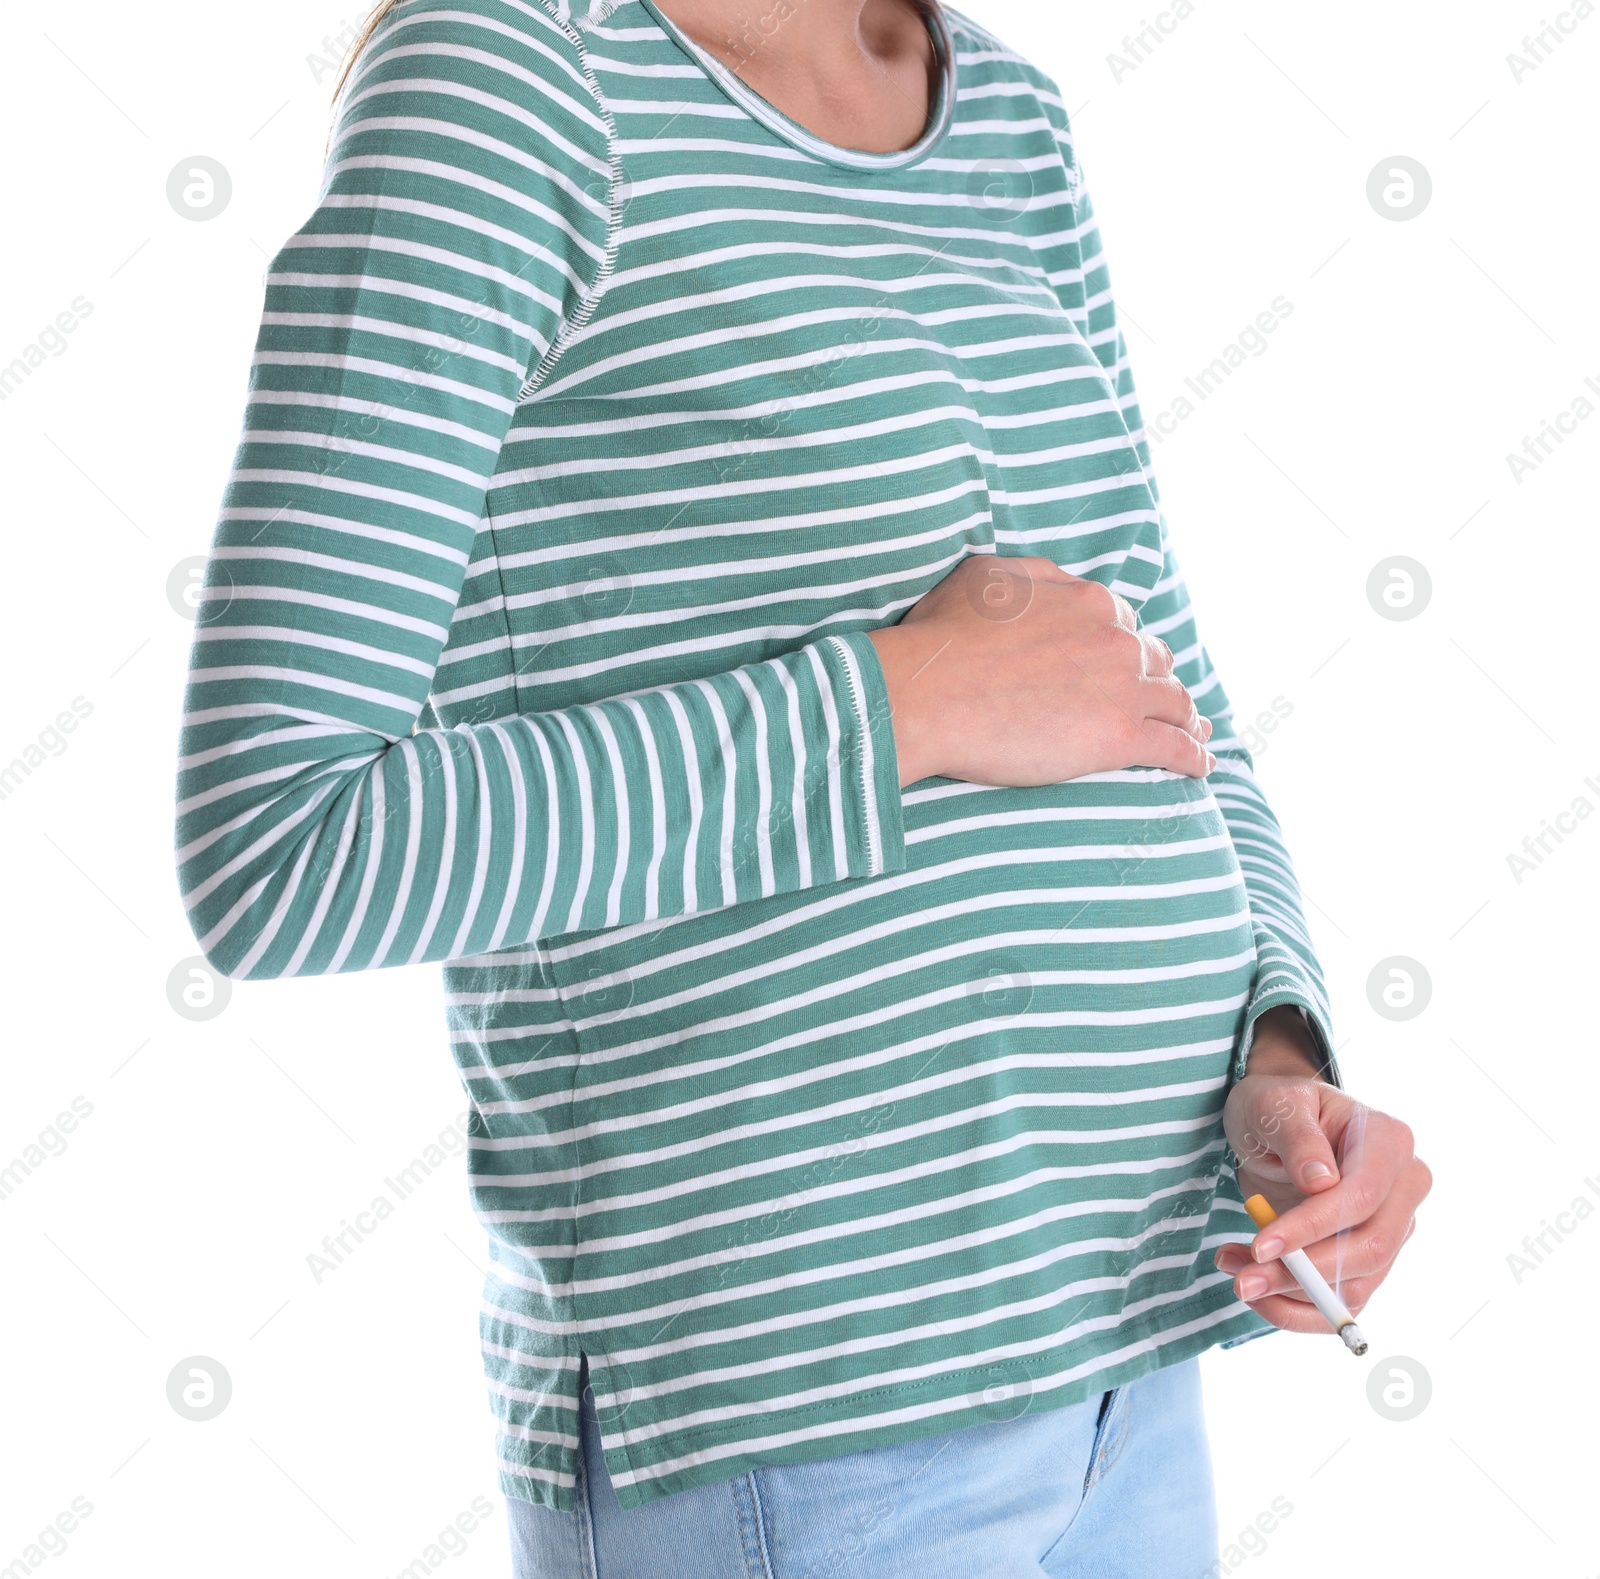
{"x": 574, "y": 322}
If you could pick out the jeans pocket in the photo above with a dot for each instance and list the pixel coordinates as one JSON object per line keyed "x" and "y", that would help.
{"x": 1104, "y": 1446}
{"x": 1110, "y": 1437}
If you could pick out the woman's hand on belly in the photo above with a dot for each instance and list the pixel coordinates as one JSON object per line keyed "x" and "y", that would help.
{"x": 1351, "y": 1218}
{"x": 1014, "y": 671}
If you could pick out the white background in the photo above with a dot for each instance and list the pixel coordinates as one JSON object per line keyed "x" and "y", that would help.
{"x": 1228, "y": 168}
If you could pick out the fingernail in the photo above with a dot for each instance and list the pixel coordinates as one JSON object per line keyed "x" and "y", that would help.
{"x": 1252, "y": 1287}
{"x": 1316, "y": 1170}
{"x": 1268, "y": 1249}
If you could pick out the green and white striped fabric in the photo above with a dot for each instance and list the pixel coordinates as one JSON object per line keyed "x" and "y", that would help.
{"x": 598, "y": 411}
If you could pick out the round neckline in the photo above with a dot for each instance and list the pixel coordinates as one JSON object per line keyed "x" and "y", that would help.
{"x": 940, "y": 113}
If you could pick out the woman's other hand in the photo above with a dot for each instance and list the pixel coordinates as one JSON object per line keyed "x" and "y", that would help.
{"x": 1344, "y": 1179}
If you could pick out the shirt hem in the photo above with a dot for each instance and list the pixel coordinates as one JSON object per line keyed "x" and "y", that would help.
{"x": 1004, "y": 1389}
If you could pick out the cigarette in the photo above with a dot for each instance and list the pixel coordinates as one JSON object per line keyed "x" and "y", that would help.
{"x": 1311, "y": 1280}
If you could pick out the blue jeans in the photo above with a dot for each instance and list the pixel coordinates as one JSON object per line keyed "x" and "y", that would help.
{"x": 1117, "y": 1487}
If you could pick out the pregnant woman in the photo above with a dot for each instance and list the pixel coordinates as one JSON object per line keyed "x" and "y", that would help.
{"x": 693, "y": 568}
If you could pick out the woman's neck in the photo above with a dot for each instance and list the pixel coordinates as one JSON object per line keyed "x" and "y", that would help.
{"x": 858, "y": 73}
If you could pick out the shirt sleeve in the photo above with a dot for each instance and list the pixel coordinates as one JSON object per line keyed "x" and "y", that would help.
{"x": 462, "y": 228}
{"x": 1288, "y": 970}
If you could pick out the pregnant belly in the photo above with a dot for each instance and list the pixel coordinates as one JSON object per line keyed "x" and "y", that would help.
{"x": 1034, "y": 1019}
{"x": 1043, "y": 950}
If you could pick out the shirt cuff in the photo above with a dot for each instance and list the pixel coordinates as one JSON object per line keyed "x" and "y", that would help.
{"x": 1281, "y": 981}
{"x": 869, "y": 763}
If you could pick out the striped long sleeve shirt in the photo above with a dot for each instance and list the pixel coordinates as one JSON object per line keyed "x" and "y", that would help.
{"x": 598, "y": 412}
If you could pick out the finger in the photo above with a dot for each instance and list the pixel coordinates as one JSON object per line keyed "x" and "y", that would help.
{"x": 1370, "y": 1249}
{"x": 1167, "y": 698}
{"x": 1366, "y": 1252}
{"x": 1176, "y": 750}
{"x": 1289, "y": 1316}
{"x": 1294, "y": 1315}
{"x": 1039, "y": 567}
{"x": 1377, "y": 1151}
{"x": 1252, "y": 1283}
{"x": 1301, "y": 1144}
{"x": 1158, "y": 659}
